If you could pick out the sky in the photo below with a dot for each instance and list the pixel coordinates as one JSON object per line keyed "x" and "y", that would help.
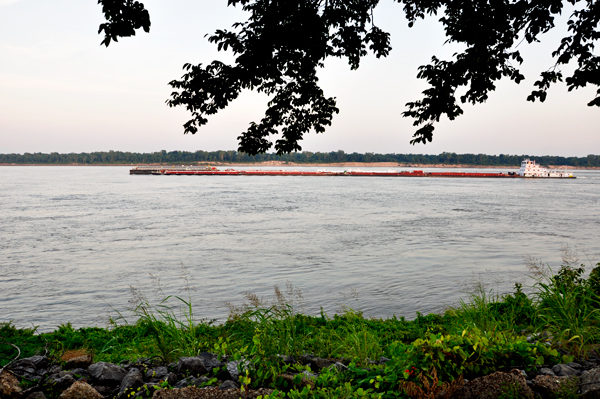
{"x": 61, "y": 91}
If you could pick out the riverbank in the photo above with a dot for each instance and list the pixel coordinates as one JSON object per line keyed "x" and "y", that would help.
{"x": 550, "y": 338}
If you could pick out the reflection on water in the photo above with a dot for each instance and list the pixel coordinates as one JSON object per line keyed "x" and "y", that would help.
{"x": 74, "y": 239}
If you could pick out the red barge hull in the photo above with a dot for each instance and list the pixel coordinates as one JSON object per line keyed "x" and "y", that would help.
{"x": 351, "y": 173}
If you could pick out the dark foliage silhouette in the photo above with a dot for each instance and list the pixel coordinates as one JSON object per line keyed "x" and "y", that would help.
{"x": 281, "y": 46}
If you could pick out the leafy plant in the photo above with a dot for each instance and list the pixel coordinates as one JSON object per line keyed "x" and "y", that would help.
{"x": 569, "y": 308}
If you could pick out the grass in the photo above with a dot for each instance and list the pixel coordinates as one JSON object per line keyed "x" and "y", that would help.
{"x": 482, "y": 334}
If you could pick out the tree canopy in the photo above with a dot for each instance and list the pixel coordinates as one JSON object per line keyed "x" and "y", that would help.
{"x": 281, "y": 46}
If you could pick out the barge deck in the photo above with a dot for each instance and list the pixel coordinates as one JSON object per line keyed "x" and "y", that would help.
{"x": 211, "y": 171}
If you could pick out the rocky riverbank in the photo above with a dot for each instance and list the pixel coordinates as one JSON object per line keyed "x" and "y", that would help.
{"x": 209, "y": 375}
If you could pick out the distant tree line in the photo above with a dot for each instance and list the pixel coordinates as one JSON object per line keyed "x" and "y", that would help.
{"x": 306, "y": 157}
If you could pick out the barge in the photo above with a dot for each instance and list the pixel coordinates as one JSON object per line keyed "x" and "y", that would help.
{"x": 528, "y": 170}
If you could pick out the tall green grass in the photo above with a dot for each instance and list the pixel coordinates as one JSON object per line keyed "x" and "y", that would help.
{"x": 569, "y": 308}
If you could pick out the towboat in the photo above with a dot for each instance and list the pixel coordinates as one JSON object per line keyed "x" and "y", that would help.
{"x": 530, "y": 169}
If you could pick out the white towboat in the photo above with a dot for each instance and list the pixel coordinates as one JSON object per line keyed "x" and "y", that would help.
{"x": 530, "y": 169}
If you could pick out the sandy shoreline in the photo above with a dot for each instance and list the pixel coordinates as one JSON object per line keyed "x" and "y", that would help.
{"x": 339, "y": 164}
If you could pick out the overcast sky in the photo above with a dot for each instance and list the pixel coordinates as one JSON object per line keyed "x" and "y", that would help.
{"x": 61, "y": 91}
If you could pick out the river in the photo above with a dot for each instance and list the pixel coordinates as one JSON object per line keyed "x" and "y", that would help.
{"x": 74, "y": 240}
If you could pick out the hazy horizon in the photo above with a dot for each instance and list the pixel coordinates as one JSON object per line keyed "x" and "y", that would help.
{"x": 60, "y": 91}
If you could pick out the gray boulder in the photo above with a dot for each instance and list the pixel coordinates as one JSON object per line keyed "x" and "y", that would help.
{"x": 80, "y": 374}
{"x": 229, "y": 385}
{"x": 37, "y": 395}
{"x": 40, "y": 362}
{"x": 562, "y": 370}
{"x": 234, "y": 368}
{"x": 318, "y": 363}
{"x": 171, "y": 378}
{"x": 191, "y": 366}
{"x": 25, "y": 368}
{"x": 574, "y": 365}
{"x": 107, "y": 373}
{"x": 210, "y": 360}
{"x": 546, "y": 371}
{"x": 590, "y": 384}
{"x": 157, "y": 374}
{"x": 130, "y": 383}
{"x": 191, "y": 381}
{"x": 148, "y": 390}
{"x": 186, "y": 382}
{"x": 62, "y": 380}
{"x": 35, "y": 362}
{"x": 339, "y": 366}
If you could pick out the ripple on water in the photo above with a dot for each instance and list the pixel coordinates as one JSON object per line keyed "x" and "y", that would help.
{"x": 74, "y": 239}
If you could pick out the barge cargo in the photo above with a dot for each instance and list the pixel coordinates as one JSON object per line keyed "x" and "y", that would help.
{"x": 524, "y": 172}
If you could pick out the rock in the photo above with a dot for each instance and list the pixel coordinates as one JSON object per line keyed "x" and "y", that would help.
{"x": 191, "y": 381}
{"x": 80, "y": 362}
{"x": 61, "y": 380}
{"x": 550, "y": 387}
{"x": 42, "y": 372}
{"x": 574, "y": 365}
{"x": 494, "y": 385}
{"x": 126, "y": 364}
{"x": 79, "y": 374}
{"x": 9, "y": 385}
{"x": 148, "y": 390}
{"x": 564, "y": 370}
{"x": 288, "y": 359}
{"x": 306, "y": 358}
{"x": 35, "y": 362}
{"x": 340, "y": 366}
{"x": 107, "y": 373}
{"x": 318, "y": 363}
{"x": 191, "y": 366}
{"x": 308, "y": 374}
{"x": 590, "y": 384}
{"x": 546, "y": 371}
{"x": 157, "y": 374}
{"x": 383, "y": 360}
{"x": 37, "y": 395}
{"x": 589, "y": 365}
{"x": 130, "y": 382}
{"x": 103, "y": 390}
{"x": 229, "y": 385}
{"x": 172, "y": 378}
{"x": 210, "y": 360}
{"x": 31, "y": 368}
{"x": 209, "y": 393}
{"x": 143, "y": 361}
{"x": 234, "y": 366}
{"x": 40, "y": 362}
{"x": 184, "y": 383}
{"x": 24, "y": 368}
{"x": 80, "y": 390}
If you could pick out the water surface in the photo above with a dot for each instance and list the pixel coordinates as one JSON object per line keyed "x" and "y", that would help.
{"x": 74, "y": 239}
